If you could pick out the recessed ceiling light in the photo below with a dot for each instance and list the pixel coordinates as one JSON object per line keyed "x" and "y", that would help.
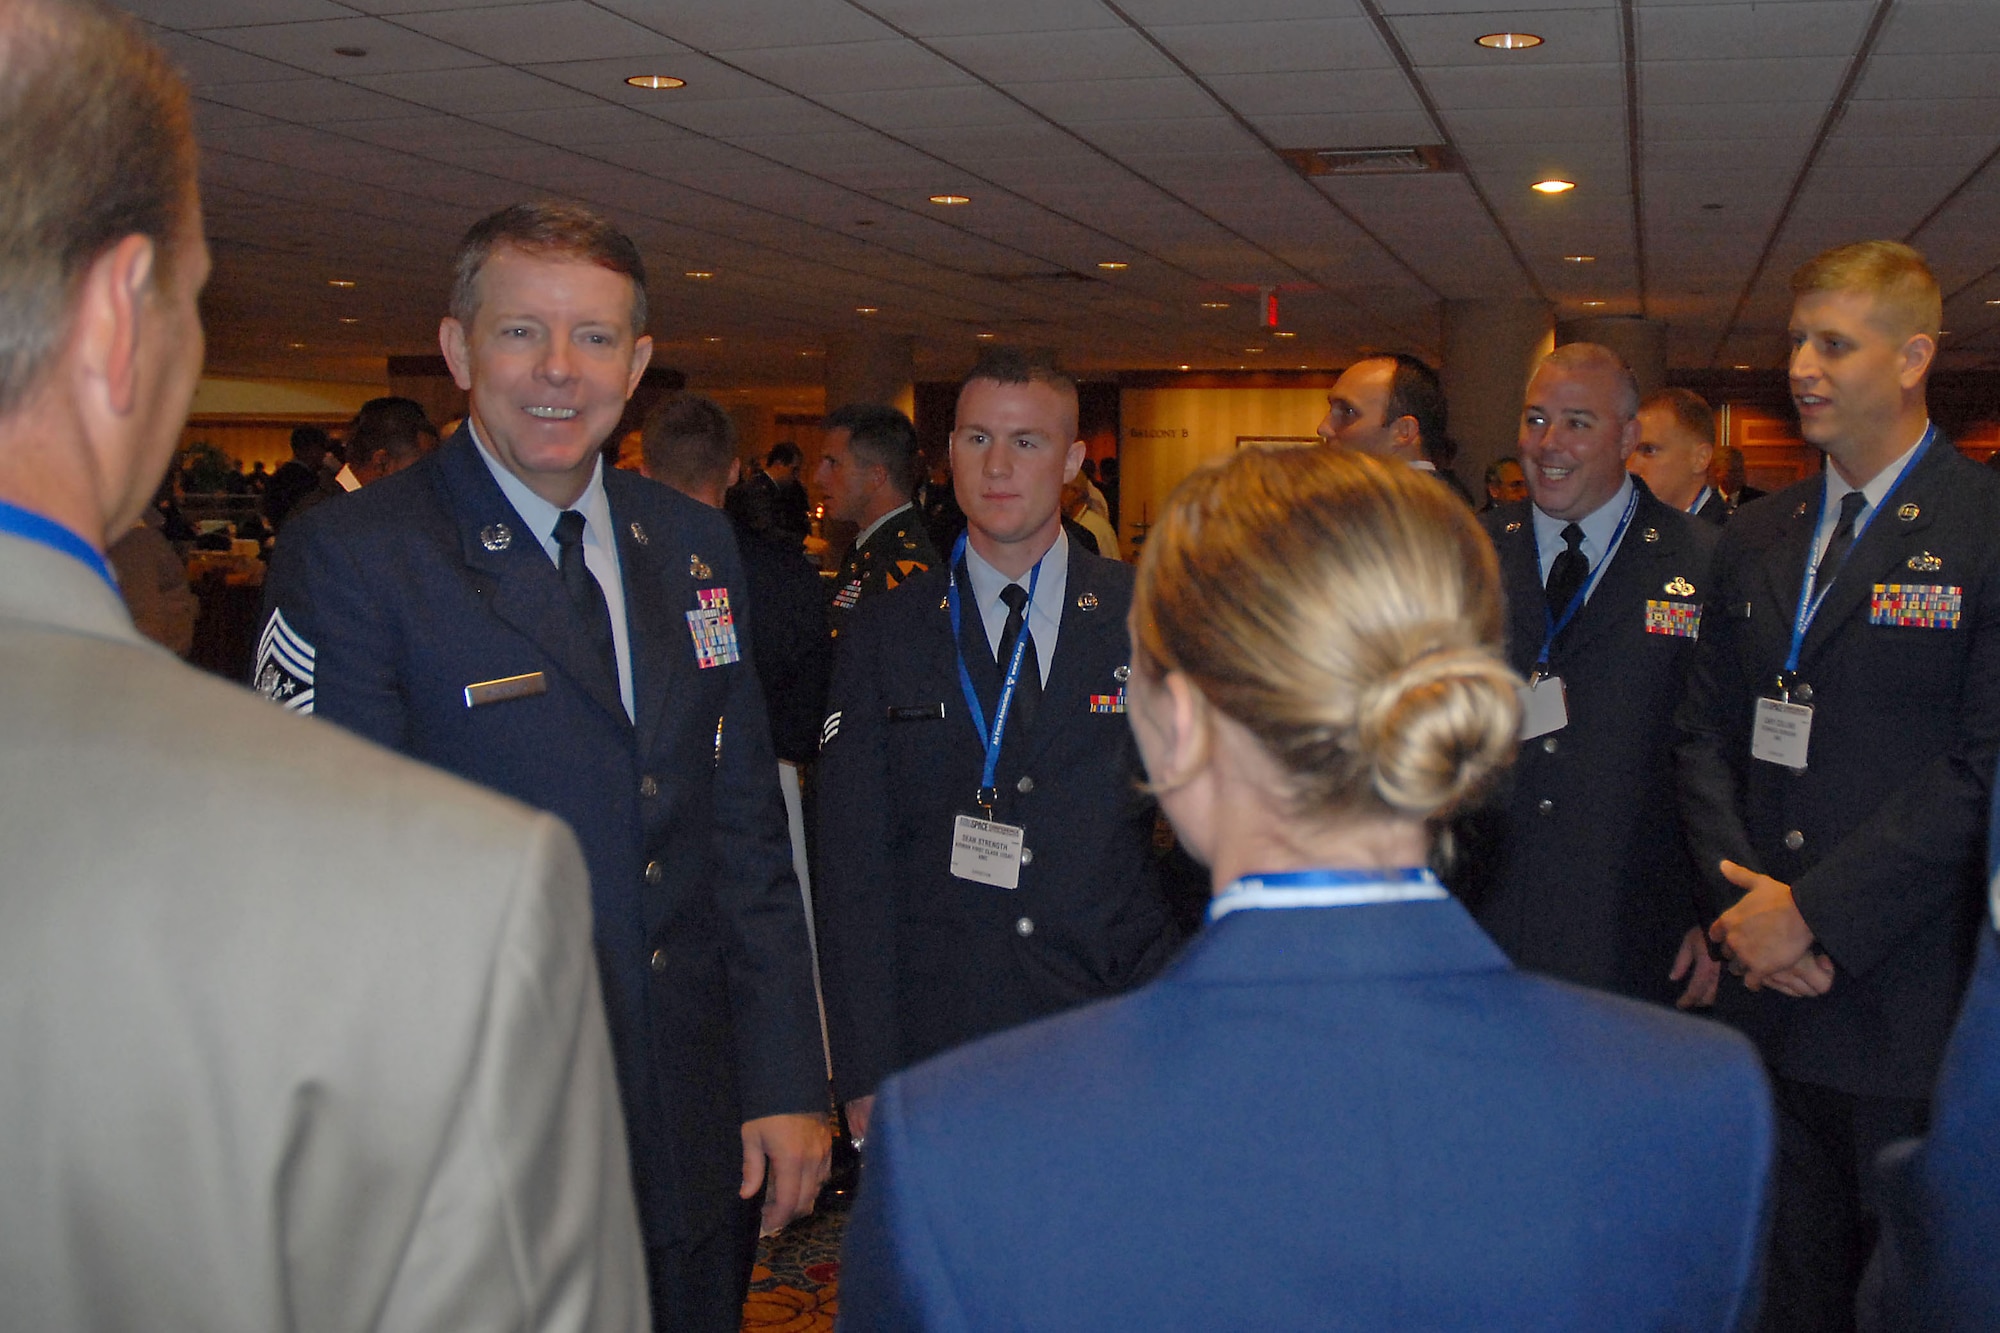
{"x": 711, "y": 340}
{"x": 867, "y": 309}
{"x": 1283, "y": 333}
{"x": 986, "y": 335}
{"x": 1579, "y": 259}
{"x": 1187, "y": 367}
{"x": 699, "y": 273}
{"x": 1252, "y": 350}
{"x": 1509, "y": 41}
{"x": 1593, "y": 304}
{"x": 340, "y": 282}
{"x": 1215, "y": 305}
{"x": 296, "y": 347}
{"x": 349, "y": 319}
{"x": 656, "y": 81}
{"x": 1553, "y": 186}
{"x": 351, "y": 52}
{"x": 1994, "y": 301}
{"x": 951, "y": 199}
{"x": 1743, "y": 367}
{"x": 1112, "y": 265}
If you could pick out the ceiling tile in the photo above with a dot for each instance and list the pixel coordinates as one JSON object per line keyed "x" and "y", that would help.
{"x": 210, "y": 66}
{"x": 1808, "y": 79}
{"x": 312, "y": 46}
{"x": 1740, "y": 31}
{"x": 850, "y": 67}
{"x": 1255, "y": 95}
{"x": 931, "y": 108}
{"x": 749, "y": 24}
{"x": 1086, "y": 101}
{"x": 312, "y": 101}
{"x": 584, "y": 125}
{"x": 192, "y": 15}
{"x": 1468, "y": 86}
{"x": 545, "y": 33}
{"x": 1283, "y": 46}
{"x": 966, "y": 18}
{"x": 488, "y": 89}
{"x": 1355, "y": 129}
{"x": 1117, "y": 53}
{"x": 1569, "y": 37}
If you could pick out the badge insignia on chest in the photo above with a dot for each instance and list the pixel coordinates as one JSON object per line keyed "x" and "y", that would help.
{"x": 496, "y": 536}
{"x": 1108, "y": 703}
{"x": 1680, "y": 587}
{"x": 1682, "y": 620}
{"x": 639, "y": 536}
{"x": 1086, "y": 601}
{"x": 1916, "y": 605}
{"x": 1925, "y": 563}
{"x": 714, "y": 629}
{"x": 698, "y": 568}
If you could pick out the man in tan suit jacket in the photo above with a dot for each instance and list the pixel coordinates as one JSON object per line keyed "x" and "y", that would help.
{"x": 296, "y": 1034}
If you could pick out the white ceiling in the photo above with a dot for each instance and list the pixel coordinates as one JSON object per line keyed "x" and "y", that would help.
{"x": 1715, "y": 146}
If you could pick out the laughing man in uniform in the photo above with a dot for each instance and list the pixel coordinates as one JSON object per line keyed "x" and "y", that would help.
{"x": 511, "y": 610}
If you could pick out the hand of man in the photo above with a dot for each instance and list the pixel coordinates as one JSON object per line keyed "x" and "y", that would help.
{"x": 1763, "y": 935}
{"x": 1810, "y": 976}
{"x": 1702, "y": 971}
{"x": 858, "y": 1112}
{"x": 799, "y": 1153}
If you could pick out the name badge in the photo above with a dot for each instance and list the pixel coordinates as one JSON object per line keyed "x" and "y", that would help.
{"x": 1781, "y": 733}
{"x": 987, "y": 853}
{"x": 1544, "y": 706}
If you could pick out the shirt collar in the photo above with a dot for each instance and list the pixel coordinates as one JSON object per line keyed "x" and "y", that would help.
{"x": 539, "y": 514}
{"x": 1878, "y": 486}
{"x": 1597, "y": 525}
{"x": 1701, "y": 499}
{"x": 988, "y": 581}
{"x": 862, "y": 537}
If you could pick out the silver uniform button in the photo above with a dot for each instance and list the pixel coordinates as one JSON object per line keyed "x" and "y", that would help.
{"x": 659, "y": 960}
{"x": 1548, "y": 745}
{"x": 1025, "y": 785}
{"x": 1024, "y": 927}
{"x": 649, "y": 786}
{"x": 655, "y": 872}
{"x": 1545, "y": 805}
{"x": 1027, "y": 856}
{"x": 1795, "y": 840}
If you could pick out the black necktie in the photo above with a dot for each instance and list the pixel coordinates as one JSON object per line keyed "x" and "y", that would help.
{"x": 1028, "y": 691}
{"x": 1843, "y": 537}
{"x": 593, "y": 615}
{"x": 1568, "y": 572}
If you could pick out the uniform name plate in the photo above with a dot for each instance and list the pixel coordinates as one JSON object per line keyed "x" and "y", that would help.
{"x": 987, "y": 853}
{"x": 507, "y": 687}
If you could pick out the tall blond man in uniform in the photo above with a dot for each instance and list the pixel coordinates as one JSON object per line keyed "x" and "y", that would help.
{"x": 297, "y": 1034}
{"x": 1836, "y": 759}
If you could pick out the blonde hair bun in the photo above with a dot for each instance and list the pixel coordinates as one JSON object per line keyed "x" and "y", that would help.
{"x": 1436, "y": 731}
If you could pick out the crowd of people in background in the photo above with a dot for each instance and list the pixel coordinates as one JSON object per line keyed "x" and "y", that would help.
{"x": 1358, "y": 912}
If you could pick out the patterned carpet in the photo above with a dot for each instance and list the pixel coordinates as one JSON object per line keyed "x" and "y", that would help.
{"x": 796, "y": 1284}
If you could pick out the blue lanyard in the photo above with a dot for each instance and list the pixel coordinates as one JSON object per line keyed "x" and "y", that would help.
{"x": 30, "y": 526}
{"x": 1701, "y": 499}
{"x": 1552, "y": 626}
{"x": 1327, "y": 888}
{"x": 988, "y": 794}
{"x": 1809, "y": 597}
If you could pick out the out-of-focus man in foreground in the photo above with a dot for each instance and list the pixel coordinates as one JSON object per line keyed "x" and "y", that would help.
{"x": 297, "y": 1034}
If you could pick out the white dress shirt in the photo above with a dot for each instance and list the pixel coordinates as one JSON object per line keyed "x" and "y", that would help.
{"x": 1598, "y": 527}
{"x": 1044, "y": 611}
{"x": 600, "y": 546}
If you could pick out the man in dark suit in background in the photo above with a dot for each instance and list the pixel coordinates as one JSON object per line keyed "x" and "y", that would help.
{"x": 511, "y": 610}
{"x": 969, "y": 883}
{"x": 1676, "y": 448}
{"x": 1580, "y": 871}
{"x": 1839, "y": 737}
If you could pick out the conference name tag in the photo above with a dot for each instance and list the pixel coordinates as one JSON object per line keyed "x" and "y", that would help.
{"x": 1544, "y": 706}
{"x": 1781, "y": 733}
{"x": 987, "y": 853}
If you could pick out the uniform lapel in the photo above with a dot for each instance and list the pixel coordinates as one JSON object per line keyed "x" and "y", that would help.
{"x": 1630, "y": 581}
{"x": 657, "y": 593}
{"x": 1880, "y": 550}
{"x": 524, "y": 588}
{"x": 1520, "y": 576}
{"x": 1079, "y": 644}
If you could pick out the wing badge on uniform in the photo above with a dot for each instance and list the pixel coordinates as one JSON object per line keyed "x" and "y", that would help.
{"x": 285, "y": 665}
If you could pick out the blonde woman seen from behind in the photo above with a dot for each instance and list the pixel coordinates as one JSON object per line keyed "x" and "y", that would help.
{"x": 1341, "y": 1108}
